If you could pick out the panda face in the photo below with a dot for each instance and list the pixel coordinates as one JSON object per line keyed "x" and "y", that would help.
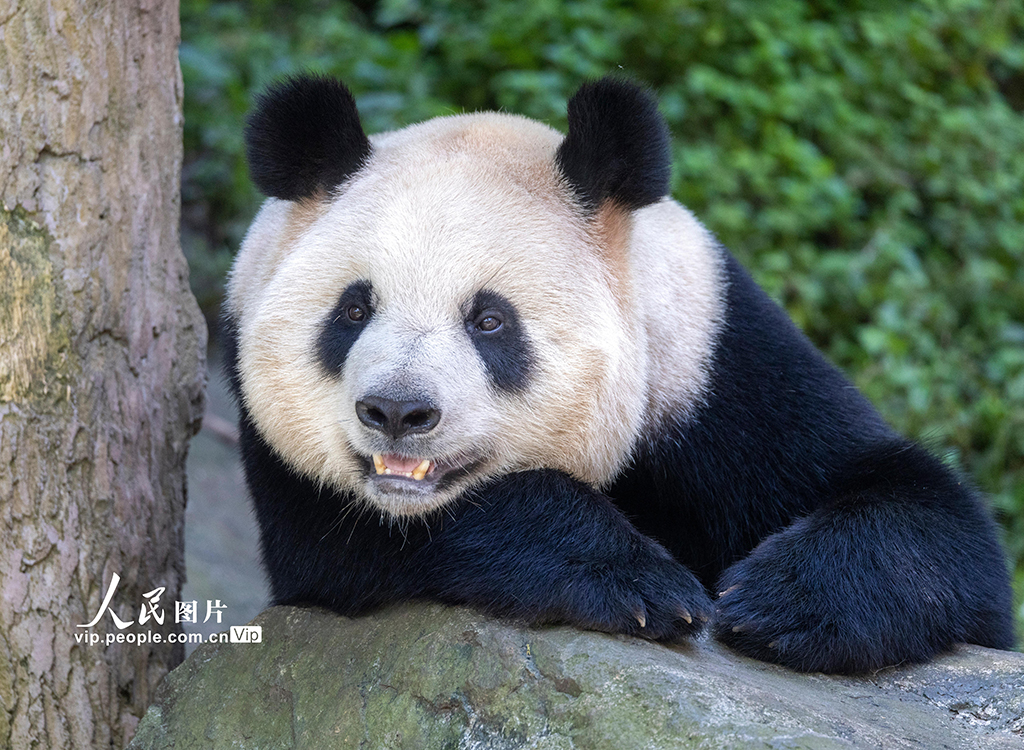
{"x": 447, "y": 315}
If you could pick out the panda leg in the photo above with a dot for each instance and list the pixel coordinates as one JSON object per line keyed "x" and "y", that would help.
{"x": 541, "y": 547}
{"x": 900, "y": 565}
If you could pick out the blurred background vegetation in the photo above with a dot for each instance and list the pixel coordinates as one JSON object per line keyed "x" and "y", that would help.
{"x": 864, "y": 159}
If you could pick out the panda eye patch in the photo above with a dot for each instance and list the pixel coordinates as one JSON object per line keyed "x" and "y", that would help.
{"x": 500, "y": 340}
{"x": 343, "y": 324}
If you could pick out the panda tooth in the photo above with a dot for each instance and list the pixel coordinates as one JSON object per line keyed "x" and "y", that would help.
{"x": 378, "y": 463}
{"x": 421, "y": 471}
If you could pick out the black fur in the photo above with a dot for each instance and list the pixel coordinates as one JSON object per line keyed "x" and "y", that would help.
{"x": 304, "y": 138}
{"x": 506, "y": 352}
{"x": 839, "y": 545}
{"x": 617, "y": 147}
{"x": 339, "y": 332}
{"x": 842, "y": 546}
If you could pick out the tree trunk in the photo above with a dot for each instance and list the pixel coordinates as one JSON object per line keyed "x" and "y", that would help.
{"x": 101, "y": 362}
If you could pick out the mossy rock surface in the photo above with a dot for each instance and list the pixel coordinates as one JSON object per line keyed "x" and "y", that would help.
{"x": 428, "y": 676}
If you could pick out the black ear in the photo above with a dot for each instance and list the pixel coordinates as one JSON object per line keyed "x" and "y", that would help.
{"x": 617, "y": 147}
{"x": 303, "y": 137}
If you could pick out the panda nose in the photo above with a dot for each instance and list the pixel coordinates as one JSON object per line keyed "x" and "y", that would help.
{"x": 397, "y": 418}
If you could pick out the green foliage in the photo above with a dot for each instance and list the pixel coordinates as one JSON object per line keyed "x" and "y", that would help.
{"x": 864, "y": 159}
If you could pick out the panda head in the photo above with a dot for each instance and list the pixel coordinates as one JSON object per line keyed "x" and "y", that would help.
{"x": 425, "y": 309}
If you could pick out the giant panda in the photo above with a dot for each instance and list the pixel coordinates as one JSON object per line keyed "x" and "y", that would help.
{"x": 481, "y": 362}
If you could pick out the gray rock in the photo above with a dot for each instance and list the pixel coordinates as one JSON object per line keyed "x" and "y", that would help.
{"x": 427, "y": 676}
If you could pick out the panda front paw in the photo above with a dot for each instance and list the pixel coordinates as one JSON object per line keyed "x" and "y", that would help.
{"x": 770, "y": 620}
{"x": 652, "y": 596}
{"x": 793, "y": 605}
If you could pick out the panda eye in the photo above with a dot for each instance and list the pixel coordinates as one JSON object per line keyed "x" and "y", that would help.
{"x": 488, "y": 322}
{"x": 355, "y": 313}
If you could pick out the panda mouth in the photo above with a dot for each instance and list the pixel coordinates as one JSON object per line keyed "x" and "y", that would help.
{"x": 407, "y": 473}
{"x": 391, "y": 464}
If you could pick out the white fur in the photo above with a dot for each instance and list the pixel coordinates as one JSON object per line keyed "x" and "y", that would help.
{"x": 442, "y": 210}
{"x": 681, "y": 290}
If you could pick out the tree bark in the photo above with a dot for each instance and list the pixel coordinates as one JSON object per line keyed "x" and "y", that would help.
{"x": 101, "y": 362}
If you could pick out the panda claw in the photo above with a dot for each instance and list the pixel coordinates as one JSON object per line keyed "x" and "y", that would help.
{"x": 684, "y": 613}
{"x": 641, "y": 616}
{"x": 728, "y": 590}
